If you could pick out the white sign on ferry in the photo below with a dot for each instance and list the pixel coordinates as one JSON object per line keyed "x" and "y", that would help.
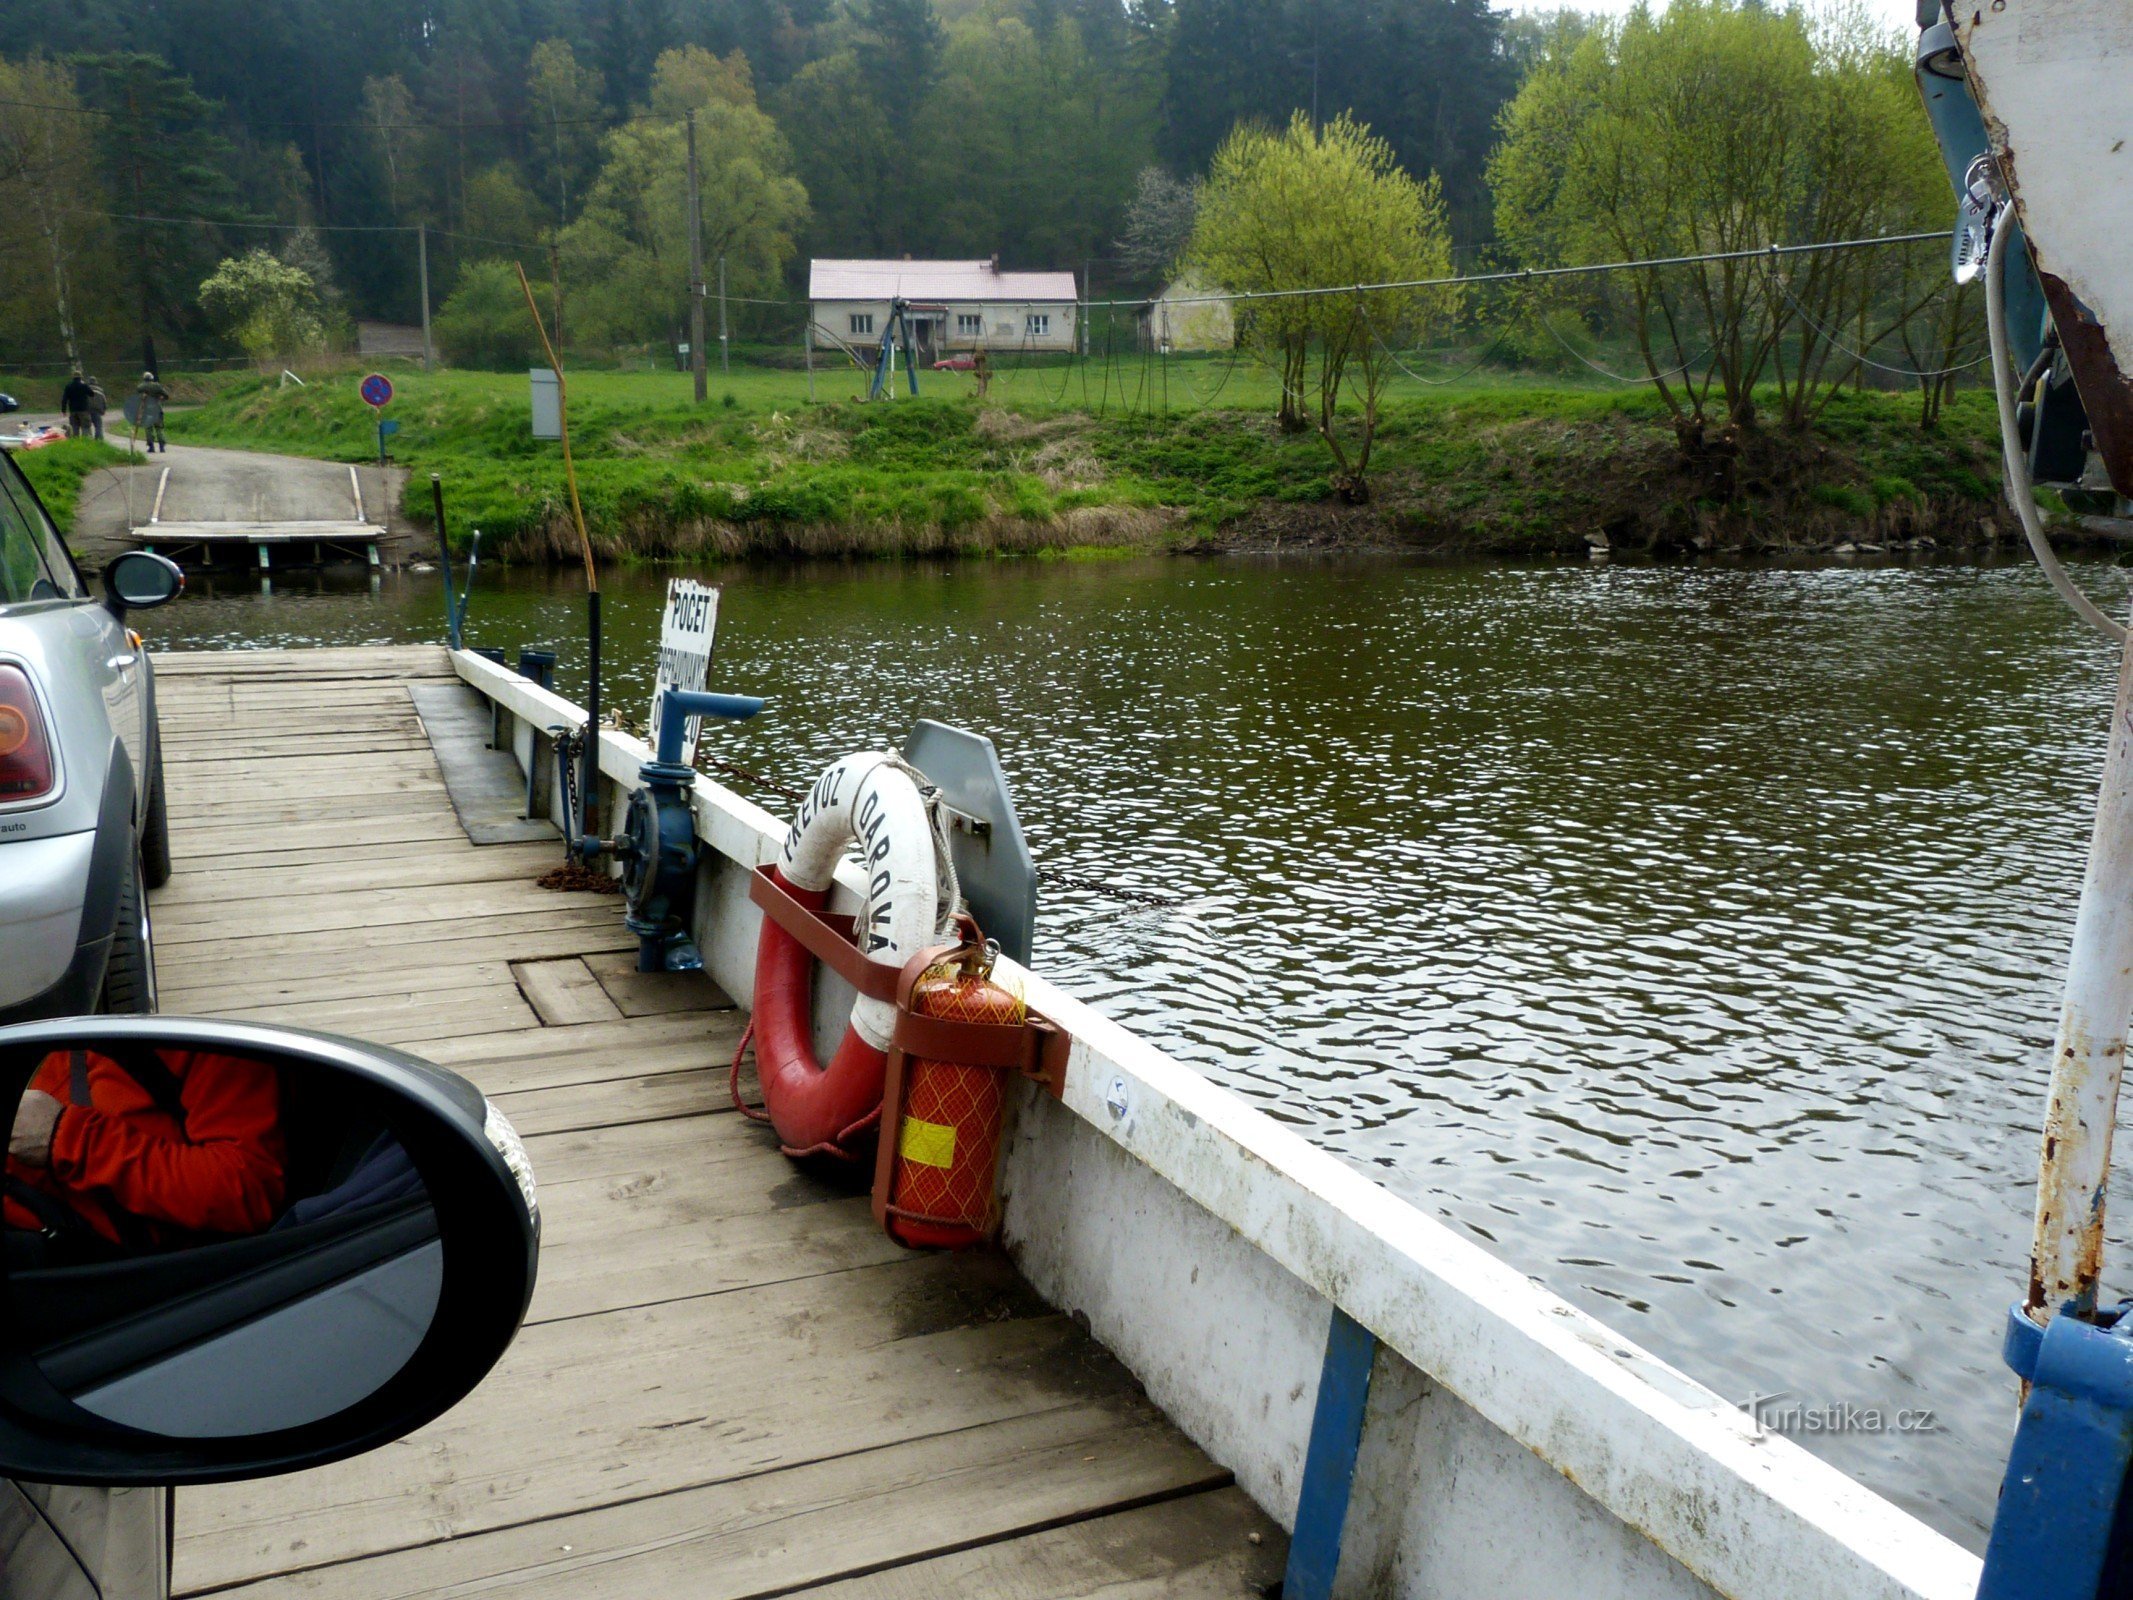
{"x": 686, "y": 635}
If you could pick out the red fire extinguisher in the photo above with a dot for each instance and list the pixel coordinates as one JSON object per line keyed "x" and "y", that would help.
{"x": 958, "y": 1035}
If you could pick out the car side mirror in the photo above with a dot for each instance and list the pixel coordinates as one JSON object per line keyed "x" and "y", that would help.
{"x": 140, "y": 579}
{"x": 232, "y": 1250}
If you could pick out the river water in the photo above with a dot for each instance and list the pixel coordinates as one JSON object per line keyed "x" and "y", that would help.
{"x": 1688, "y": 936}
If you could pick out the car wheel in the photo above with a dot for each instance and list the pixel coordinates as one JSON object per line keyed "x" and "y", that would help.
{"x": 155, "y": 828}
{"x": 130, "y": 975}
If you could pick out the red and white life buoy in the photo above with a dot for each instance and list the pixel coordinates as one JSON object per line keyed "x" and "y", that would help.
{"x": 872, "y": 799}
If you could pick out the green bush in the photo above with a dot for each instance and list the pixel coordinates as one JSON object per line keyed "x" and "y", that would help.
{"x": 484, "y": 323}
{"x": 1844, "y": 497}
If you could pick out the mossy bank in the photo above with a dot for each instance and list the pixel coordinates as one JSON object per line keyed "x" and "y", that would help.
{"x": 1500, "y": 468}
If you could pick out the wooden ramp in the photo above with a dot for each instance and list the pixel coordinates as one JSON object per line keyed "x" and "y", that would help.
{"x": 730, "y": 1384}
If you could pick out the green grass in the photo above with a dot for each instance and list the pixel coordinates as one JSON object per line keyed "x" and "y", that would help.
{"x": 1063, "y": 456}
{"x": 57, "y": 471}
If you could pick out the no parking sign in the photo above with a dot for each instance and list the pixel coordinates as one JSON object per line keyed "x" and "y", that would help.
{"x": 376, "y": 390}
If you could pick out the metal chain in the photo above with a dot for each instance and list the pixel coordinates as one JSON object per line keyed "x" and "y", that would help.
{"x": 705, "y": 761}
{"x": 567, "y": 747}
{"x": 576, "y": 872}
{"x": 1139, "y": 897}
{"x": 708, "y": 763}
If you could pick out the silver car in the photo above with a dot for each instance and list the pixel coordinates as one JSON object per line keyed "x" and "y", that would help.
{"x": 83, "y": 835}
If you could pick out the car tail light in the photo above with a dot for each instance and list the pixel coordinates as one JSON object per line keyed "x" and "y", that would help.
{"x": 25, "y": 751}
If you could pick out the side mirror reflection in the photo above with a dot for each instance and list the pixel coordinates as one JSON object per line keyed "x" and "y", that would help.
{"x": 140, "y": 579}
{"x": 218, "y": 1234}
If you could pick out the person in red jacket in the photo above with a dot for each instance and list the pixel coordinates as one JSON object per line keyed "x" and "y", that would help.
{"x": 186, "y": 1143}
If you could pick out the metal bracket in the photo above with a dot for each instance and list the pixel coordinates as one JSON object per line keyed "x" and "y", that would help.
{"x": 964, "y": 822}
{"x": 1977, "y": 212}
{"x": 992, "y": 860}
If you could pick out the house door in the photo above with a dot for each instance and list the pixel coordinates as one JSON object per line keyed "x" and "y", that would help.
{"x": 925, "y": 339}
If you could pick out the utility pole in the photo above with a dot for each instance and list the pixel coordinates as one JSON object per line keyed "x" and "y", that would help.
{"x": 1088, "y": 272}
{"x": 555, "y": 287}
{"x": 696, "y": 269}
{"x": 722, "y": 340}
{"x": 562, "y": 177}
{"x": 1296, "y": 59}
{"x": 422, "y": 271}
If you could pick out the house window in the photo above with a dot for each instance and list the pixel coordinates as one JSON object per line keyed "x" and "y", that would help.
{"x": 969, "y": 324}
{"x": 1037, "y": 324}
{"x": 862, "y": 322}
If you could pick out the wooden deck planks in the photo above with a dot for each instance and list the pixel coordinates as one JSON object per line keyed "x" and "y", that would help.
{"x": 789, "y": 1530}
{"x": 731, "y": 1383}
{"x": 688, "y": 1092}
{"x": 1183, "y": 1550}
{"x": 564, "y": 991}
{"x": 359, "y": 869}
{"x": 598, "y": 1410}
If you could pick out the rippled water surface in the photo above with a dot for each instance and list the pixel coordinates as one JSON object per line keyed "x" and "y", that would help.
{"x": 1689, "y": 936}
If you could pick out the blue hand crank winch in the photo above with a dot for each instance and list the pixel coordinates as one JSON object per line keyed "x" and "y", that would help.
{"x": 657, "y": 846}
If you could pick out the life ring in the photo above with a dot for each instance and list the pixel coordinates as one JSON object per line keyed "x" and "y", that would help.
{"x": 870, "y": 798}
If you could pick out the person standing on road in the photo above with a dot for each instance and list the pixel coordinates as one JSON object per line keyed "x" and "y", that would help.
{"x": 152, "y": 395}
{"x": 99, "y": 403}
{"x": 74, "y": 401}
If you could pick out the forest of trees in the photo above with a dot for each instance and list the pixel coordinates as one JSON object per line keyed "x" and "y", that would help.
{"x": 863, "y": 127}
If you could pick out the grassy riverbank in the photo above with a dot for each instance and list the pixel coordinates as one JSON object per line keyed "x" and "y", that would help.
{"x": 58, "y": 470}
{"x": 1509, "y": 465}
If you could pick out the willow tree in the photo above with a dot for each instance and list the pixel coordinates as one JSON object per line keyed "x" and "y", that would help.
{"x": 1309, "y": 226}
{"x": 1719, "y": 128}
{"x": 1871, "y": 167}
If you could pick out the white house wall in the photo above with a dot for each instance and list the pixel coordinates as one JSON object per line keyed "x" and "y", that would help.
{"x": 1003, "y": 332}
{"x": 1194, "y": 324}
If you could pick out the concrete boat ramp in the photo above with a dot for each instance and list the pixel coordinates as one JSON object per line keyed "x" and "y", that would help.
{"x": 1208, "y": 1358}
{"x": 207, "y": 507}
{"x": 731, "y": 1383}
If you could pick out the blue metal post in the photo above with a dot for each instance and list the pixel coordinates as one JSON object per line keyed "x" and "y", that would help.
{"x": 537, "y": 666}
{"x": 466, "y": 593}
{"x": 679, "y": 705}
{"x": 1329, "y": 1459}
{"x": 880, "y": 385}
{"x": 2053, "y": 1534}
{"x": 444, "y": 560}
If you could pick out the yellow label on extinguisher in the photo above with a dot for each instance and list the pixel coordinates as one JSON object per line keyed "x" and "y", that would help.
{"x": 930, "y": 1144}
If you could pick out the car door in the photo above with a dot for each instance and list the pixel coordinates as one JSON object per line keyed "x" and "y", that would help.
{"x": 108, "y": 653}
